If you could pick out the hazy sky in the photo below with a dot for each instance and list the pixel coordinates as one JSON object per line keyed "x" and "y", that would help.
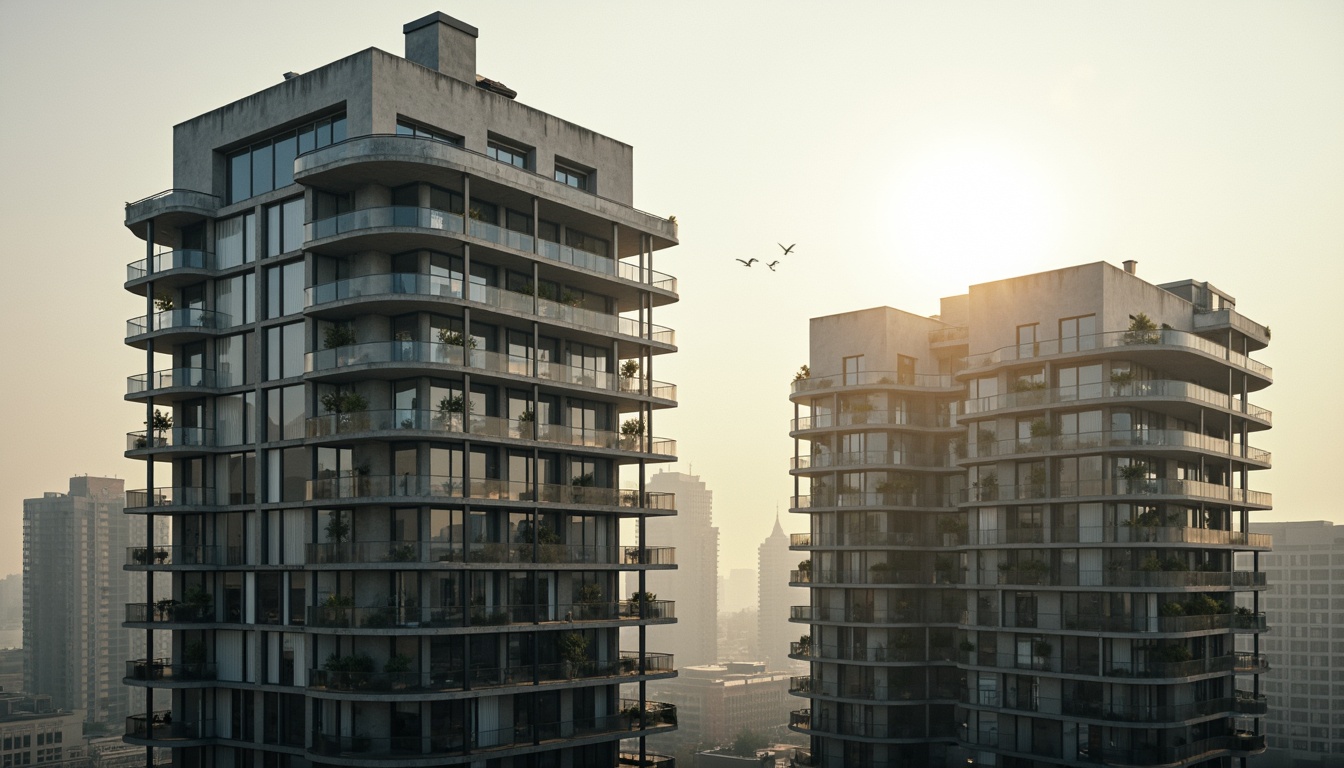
{"x": 910, "y": 149}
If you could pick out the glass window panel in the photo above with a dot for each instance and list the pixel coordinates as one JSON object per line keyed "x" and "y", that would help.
{"x": 307, "y": 140}
{"x": 293, "y": 290}
{"x": 273, "y": 231}
{"x": 338, "y": 129}
{"x": 295, "y": 474}
{"x": 292, "y": 213}
{"x": 262, "y": 178}
{"x": 274, "y": 411}
{"x": 229, "y": 242}
{"x": 323, "y": 133}
{"x": 293, "y": 405}
{"x": 229, "y": 362}
{"x": 286, "y": 150}
{"x": 294, "y": 348}
{"x": 273, "y": 290}
{"x": 273, "y": 353}
{"x": 240, "y": 177}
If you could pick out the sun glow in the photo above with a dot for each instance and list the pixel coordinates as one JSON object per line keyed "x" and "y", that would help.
{"x": 970, "y": 215}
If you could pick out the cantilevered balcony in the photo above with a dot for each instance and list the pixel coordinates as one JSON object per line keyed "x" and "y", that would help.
{"x": 993, "y": 493}
{"x": 163, "y": 726}
{"x": 179, "y": 441}
{"x": 872, "y": 379}
{"x": 1177, "y": 397}
{"x": 1159, "y": 441}
{"x": 415, "y": 424}
{"x": 406, "y": 554}
{"x": 339, "y": 681}
{"x": 355, "y": 361}
{"x": 398, "y": 489}
{"x": 169, "y": 499}
{"x": 184, "y": 555}
{"x": 169, "y": 209}
{"x": 1126, "y": 532}
{"x": 175, "y": 326}
{"x": 336, "y": 615}
{"x": 170, "y": 384}
{"x": 163, "y": 672}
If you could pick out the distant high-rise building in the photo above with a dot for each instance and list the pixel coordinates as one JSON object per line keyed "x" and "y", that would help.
{"x": 1023, "y": 518}
{"x": 774, "y": 597}
{"x": 11, "y": 606}
{"x": 694, "y": 585}
{"x": 1303, "y": 692}
{"x": 74, "y": 593}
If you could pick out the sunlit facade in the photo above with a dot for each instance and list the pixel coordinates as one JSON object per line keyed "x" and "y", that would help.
{"x": 1023, "y": 519}
{"x": 399, "y": 401}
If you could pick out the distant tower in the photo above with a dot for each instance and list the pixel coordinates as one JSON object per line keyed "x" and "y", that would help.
{"x": 74, "y": 592}
{"x": 773, "y": 630}
{"x": 694, "y": 585}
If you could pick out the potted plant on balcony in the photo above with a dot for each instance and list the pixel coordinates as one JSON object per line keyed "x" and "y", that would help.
{"x": 632, "y": 432}
{"x": 628, "y": 371}
{"x": 805, "y": 645}
{"x": 805, "y": 570}
{"x": 450, "y": 339}
{"x": 396, "y": 668}
{"x": 1121, "y": 381}
{"x": 336, "y": 336}
{"x": 451, "y": 408}
{"x": 344, "y": 405}
{"x": 140, "y": 556}
{"x": 1142, "y": 330}
{"x": 199, "y": 604}
{"x": 1042, "y": 650}
{"x": 589, "y": 600}
{"x": 952, "y": 529}
{"x": 166, "y": 608}
{"x": 648, "y": 598}
{"x": 163, "y": 303}
{"x": 987, "y": 487}
{"x": 527, "y": 424}
{"x": 159, "y": 424}
{"x": 193, "y": 659}
{"x": 573, "y": 650}
{"x": 804, "y": 372}
{"x": 338, "y": 532}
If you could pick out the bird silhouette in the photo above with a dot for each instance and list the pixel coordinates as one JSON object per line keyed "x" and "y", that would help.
{"x": 771, "y": 265}
{"x": 748, "y": 262}
{"x": 788, "y": 250}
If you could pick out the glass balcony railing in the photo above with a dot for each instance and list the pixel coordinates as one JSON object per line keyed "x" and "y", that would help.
{"x": 900, "y": 418}
{"x": 873, "y": 379}
{"x": 481, "y": 552}
{"x": 169, "y": 611}
{"x": 180, "y": 554}
{"x": 1127, "y": 438}
{"x": 170, "y": 378}
{"x": 860, "y": 613}
{"x": 1073, "y": 665}
{"x": 178, "y": 319}
{"x": 169, "y": 496}
{"x": 172, "y": 437}
{"x": 437, "y": 486}
{"x": 444, "y": 221}
{"x": 1125, "y": 578}
{"x": 1158, "y": 389}
{"x": 880, "y": 575}
{"x": 869, "y": 458}
{"x": 853, "y": 498}
{"x": 164, "y": 726}
{"x": 1125, "y": 533}
{"x": 1118, "y": 486}
{"x": 492, "y": 426}
{"x": 627, "y": 665}
{"x": 1122, "y": 622}
{"x": 864, "y": 539}
{"x": 823, "y": 721}
{"x": 164, "y": 670}
{"x": 1154, "y": 339}
{"x": 171, "y": 260}
{"x": 422, "y": 352}
{"x": 333, "y": 616}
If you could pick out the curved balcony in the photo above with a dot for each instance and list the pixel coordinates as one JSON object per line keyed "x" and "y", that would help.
{"x": 357, "y": 750}
{"x": 860, "y": 613}
{"x": 881, "y": 418}
{"x": 901, "y": 459}
{"x": 175, "y": 326}
{"x": 1177, "y": 440}
{"x": 402, "y": 489}
{"x": 870, "y": 379}
{"x": 878, "y": 654}
{"x": 1209, "y": 321}
{"x": 879, "y": 575}
{"x": 169, "y": 499}
{"x": 807, "y": 685}
{"x": 1128, "y": 532}
{"x": 413, "y": 424}
{"x": 649, "y": 760}
{"x": 170, "y": 209}
{"x": 1138, "y": 671}
{"x": 184, "y": 555}
{"x": 163, "y": 726}
{"x": 170, "y": 384}
{"x": 1044, "y": 576}
{"x": 379, "y": 617}
{"x": 1106, "y": 711}
{"x": 178, "y": 441}
{"x": 1250, "y": 703}
{"x": 1138, "y": 343}
{"x": 165, "y": 672}
{"x": 1131, "y": 623}
{"x": 1153, "y": 754}
{"x": 1149, "y": 392}
{"x": 627, "y": 665}
{"x": 871, "y": 539}
{"x": 852, "y": 498}
{"x": 824, "y": 724}
{"x": 353, "y": 160}
{"x": 1250, "y": 663}
{"x": 993, "y": 493}
{"x": 347, "y": 362}
{"x": 170, "y": 269}
{"x": 435, "y": 552}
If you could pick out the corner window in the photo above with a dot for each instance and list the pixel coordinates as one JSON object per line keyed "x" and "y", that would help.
{"x": 269, "y": 164}
{"x": 505, "y": 153}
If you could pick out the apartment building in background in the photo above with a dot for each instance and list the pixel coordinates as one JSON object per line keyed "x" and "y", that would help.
{"x": 74, "y": 592}
{"x": 400, "y": 404}
{"x": 1023, "y": 515}
{"x": 717, "y": 702}
{"x": 33, "y": 731}
{"x": 1304, "y": 688}
{"x": 693, "y": 586}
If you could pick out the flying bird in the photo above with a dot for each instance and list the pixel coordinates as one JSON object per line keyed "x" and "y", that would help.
{"x": 748, "y": 262}
{"x": 771, "y": 265}
{"x": 788, "y": 250}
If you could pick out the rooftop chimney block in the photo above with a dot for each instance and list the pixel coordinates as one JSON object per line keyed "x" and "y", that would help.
{"x": 1131, "y": 266}
{"x": 444, "y": 44}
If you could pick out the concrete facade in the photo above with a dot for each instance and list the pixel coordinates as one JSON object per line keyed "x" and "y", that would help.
{"x": 34, "y": 732}
{"x": 74, "y": 590}
{"x": 400, "y": 351}
{"x": 1023, "y": 515}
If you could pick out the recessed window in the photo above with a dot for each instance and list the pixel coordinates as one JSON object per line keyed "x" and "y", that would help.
{"x": 571, "y": 177}
{"x": 505, "y": 153}
{"x": 409, "y": 128}
{"x": 1077, "y": 333}
{"x": 269, "y": 164}
{"x": 853, "y": 367}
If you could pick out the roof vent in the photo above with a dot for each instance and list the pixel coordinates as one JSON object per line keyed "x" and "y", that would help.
{"x": 1131, "y": 266}
{"x": 291, "y": 75}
